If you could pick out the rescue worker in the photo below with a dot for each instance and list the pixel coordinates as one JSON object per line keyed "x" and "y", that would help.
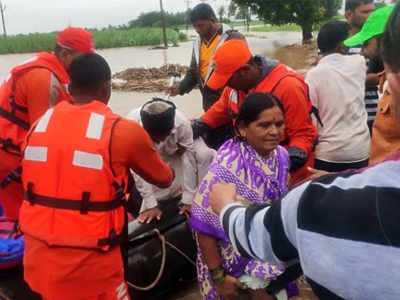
{"x": 357, "y": 13}
{"x": 211, "y": 35}
{"x": 31, "y": 88}
{"x": 75, "y": 172}
{"x": 242, "y": 74}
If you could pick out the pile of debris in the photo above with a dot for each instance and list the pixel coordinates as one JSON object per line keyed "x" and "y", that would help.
{"x": 147, "y": 80}
{"x": 299, "y": 57}
{"x": 155, "y": 80}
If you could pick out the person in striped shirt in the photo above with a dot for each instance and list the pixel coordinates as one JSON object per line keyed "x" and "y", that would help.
{"x": 342, "y": 228}
{"x": 357, "y": 13}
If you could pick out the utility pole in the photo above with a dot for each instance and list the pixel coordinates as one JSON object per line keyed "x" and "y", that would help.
{"x": 187, "y": 11}
{"x": 2, "y": 9}
{"x": 164, "y": 26}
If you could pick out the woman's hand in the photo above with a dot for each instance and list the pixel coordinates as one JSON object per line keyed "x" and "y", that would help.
{"x": 221, "y": 195}
{"x": 185, "y": 209}
{"x": 229, "y": 289}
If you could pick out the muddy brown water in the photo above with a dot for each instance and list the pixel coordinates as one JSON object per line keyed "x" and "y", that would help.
{"x": 122, "y": 102}
{"x": 123, "y": 58}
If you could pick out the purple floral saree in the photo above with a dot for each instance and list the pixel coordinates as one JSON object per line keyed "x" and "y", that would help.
{"x": 259, "y": 180}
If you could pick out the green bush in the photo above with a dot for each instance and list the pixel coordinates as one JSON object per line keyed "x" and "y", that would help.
{"x": 108, "y": 38}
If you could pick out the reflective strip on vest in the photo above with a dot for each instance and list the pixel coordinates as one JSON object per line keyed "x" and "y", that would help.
{"x": 95, "y": 127}
{"x": 34, "y": 153}
{"x": 44, "y": 121}
{"x": 234, "y": 97}
{"x": 54, "y": 90}
{"x": 88, "y": 160}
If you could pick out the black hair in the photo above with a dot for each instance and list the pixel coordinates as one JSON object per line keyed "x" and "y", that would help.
{"x": 353, "y": 4}
{"x": 331, "y": 35}
{"x": 202, "y": 11}
{"x": 158, "y": 116}
{"x": 254, "y": 105}
{"x": 390, "y": 42}
{"x": 88, "y": 71}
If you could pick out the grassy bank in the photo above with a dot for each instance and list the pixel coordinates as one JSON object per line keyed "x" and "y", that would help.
{"x": 274, "y": 28}
{"x": 113, "y": 38}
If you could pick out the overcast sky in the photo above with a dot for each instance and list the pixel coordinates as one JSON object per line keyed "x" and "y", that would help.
{"x": 24, "y": 16}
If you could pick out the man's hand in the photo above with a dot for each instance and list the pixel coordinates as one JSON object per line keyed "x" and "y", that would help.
{"x": 173, "y": 91}
{"x": 185, "y": 208}
{"x": 315, "y": 174}
{"x": 298, "y": 158}
{"x": 221, "y": 195}
{"x": 199, "y": 127}
{"x": 149, "y": 215}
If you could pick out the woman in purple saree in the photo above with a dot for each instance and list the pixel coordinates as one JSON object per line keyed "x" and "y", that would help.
{"x": 259, "y": 167}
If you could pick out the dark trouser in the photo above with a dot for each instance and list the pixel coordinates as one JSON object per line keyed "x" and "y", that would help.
{"x": 339, "y": 167}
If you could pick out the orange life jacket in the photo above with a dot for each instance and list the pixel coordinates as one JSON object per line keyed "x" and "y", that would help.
{"x": 14, "y": 119}
{"x": 268, "y": 85}
{"x": 73, "y": 197}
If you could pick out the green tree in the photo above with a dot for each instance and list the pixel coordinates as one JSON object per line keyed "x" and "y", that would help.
{"x": 331, "y": 7}
{"x": 240, "y": 10}
{"x": 221, "y": 13}
{"x": 232, "y": 8}
{"x": 153, "y": 18}
{"x": 305, "y": 13}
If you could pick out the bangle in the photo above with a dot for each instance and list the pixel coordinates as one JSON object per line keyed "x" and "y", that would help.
{"x": 218, "y": 275}
{"x": 216, "y": 271}
{"x": 219, "y": 280}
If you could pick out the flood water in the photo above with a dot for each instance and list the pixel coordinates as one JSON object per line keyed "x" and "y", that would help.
{"x": 123, "y": 58}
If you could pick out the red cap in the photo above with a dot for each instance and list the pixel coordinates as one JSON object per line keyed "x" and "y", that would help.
{"x": 229, "y": 58}
{"x": 77, "y": 39}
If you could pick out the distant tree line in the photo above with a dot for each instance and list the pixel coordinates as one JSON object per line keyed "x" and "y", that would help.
{"x": 308, "y": 14}
{"x": 153, "y": 19}
{"x": 305, "y": 13}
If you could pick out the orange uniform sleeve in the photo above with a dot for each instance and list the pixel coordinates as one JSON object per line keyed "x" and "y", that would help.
{"x": 33, "y": 90}
{"x": 300, "y": 130}
{"x": 218, "y": 114}
{"x": 132, "y": 147}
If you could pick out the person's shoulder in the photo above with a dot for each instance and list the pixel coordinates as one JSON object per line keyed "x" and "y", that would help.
{"x": 282, "y": 154}
{"x": 315, "y": 72}
{"x": 134, "y": 115}
{"x": 282, "y": 150}
{"x": 180, "y": 118}
{"x": 291, "y": 78}
{"x": 35, "y": 75}
{"x": 320, "y": 71}
{"x": 359, "y": 59}
{"x": 127, "y": 125}
{"x": 231, "y": 33}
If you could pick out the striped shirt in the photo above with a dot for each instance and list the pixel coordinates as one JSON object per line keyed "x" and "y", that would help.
{"x": 344, "y": 229}
{"x": 371, "y": 92}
